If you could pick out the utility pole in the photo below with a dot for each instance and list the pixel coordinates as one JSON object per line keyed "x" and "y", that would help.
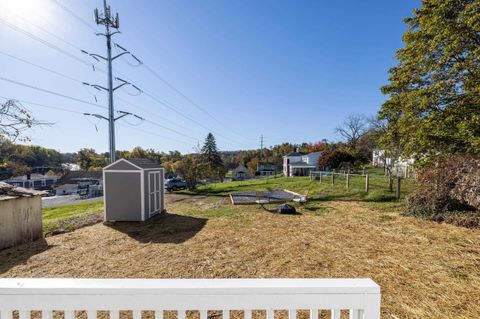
{"x": 106, "y": 18}
{"x": 261, "y": 147}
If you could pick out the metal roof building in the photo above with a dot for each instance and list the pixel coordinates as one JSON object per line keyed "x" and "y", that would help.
{"x": 133, "y": 190}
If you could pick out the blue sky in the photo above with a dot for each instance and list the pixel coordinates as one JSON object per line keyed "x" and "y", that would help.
{"x": 290, "y": 70}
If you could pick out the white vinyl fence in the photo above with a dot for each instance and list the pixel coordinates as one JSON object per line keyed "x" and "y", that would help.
{"x": 361, "y": 297}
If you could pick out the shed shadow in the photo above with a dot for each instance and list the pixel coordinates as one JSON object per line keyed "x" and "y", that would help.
{"x": 18, "y": 255}
{"x": 163, "y": 228}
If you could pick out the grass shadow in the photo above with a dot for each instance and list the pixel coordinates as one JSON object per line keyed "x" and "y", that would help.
{"x": 18, "y": 255}
{"x": 163, "y": 228}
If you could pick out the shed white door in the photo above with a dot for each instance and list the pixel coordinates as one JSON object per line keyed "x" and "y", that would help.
{"x": 154, "y": 192}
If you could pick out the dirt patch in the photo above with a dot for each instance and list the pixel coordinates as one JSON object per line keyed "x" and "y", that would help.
{"x": 76, "y": 222}
{"x": 424, "y": 269}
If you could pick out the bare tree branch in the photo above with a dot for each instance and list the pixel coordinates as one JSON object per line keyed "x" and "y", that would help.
{"x": 352, "y": 129}
{"x": 15, "y": 119}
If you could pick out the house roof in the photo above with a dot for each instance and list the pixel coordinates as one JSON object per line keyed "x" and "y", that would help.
{"x": 33, "y": 177}
{"x": 295, "y": 154}
{"x": 319, "y": 152}
{"x": 73, "y": 177}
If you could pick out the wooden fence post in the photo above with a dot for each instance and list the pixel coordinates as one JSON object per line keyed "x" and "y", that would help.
{"x": 320, "y": 178}
{"x": 347, "y": 180}
{"x": 333, "y": 178}
{"x": 397, "y": 189}
{"x": 390, "y": 182}
{"x": 366, "y": 183}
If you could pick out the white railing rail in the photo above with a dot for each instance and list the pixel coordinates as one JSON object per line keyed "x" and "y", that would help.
{"x": 361, "y": 297}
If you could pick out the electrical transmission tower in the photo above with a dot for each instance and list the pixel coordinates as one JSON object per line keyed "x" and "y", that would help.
{"x": 110, "y": 22}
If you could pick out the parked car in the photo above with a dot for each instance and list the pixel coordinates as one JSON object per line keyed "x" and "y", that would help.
{"x": 175, "y": 184}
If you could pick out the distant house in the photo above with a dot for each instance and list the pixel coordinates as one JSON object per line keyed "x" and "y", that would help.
{"x": 88, "y": 184}
{"x": 35, "y": 181}
{"x": 300, "y": 164}
{"x": 266, "y": 169}
{"x": 379, "y": 159}
{"x": 66, "y": 189}
{"x": 241, "y": 173}
{"x": 400, "y": 166}
{"x": 71, "y": 166}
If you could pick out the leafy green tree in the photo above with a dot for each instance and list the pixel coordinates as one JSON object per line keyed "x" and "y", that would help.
{"x": 191, "y": 168}
{"x": 86, "y": 157}
{"x": 433, "y": 105}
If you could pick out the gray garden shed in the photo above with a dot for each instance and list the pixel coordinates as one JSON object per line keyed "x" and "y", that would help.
{"x": 133, "y": 190}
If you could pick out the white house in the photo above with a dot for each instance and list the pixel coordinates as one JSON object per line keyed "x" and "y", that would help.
{"x": 400, "y": 166}
{"x": 300, "y": 164}
{"x": 35, "y": 181}
{"x": 379, "y": 159}
{"x": 66, "y": 189}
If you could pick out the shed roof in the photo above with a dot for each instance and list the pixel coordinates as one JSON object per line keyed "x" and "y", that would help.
{"x": 143, "y": 163}
{"x": 8, "y": 191}
{"x": 132, "y": 164}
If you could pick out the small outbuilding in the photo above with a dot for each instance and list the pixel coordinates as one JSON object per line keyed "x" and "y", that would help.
{"x": 20, "y": 215}
{"x": 133, "y": 190}
{"x": 240, "y": 173}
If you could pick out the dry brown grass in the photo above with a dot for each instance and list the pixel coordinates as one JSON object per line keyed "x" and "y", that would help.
{"x": 425, "y": 269}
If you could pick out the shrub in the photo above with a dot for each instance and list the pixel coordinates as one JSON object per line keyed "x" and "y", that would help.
{"x": 333, "y": 159}
{"x": 447, "y": 187}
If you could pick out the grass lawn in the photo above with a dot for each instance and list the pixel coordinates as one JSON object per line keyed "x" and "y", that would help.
{"x": 425, "y": 269}
{"x": 378, "y": 189}
{"x": 68, "y": 217}
{"x": 73, "y": 216}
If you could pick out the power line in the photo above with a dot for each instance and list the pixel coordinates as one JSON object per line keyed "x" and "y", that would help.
{"x": 43, "y": 105}
{"x": 79, "y": 81}
{"x": 41, "y": 67}
{"x": 154, "y": 134}
{"x": 44, "y": 42}
{"x": 76, "y": 80}
{"x": 154, "y": 73}
{"x": 54, "y": 47}
{"x": 189, "y": 100}
{"x": 169, "y": 106}
{"x": 46, "y": 31}
{"x": 73, "y": 14}
{"x": 82, "y": 113}
{"x": 89, "y": 103}
{"x": 51, "y": 92}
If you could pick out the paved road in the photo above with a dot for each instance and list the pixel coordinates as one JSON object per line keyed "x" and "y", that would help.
{"x": 67, "y": 200}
